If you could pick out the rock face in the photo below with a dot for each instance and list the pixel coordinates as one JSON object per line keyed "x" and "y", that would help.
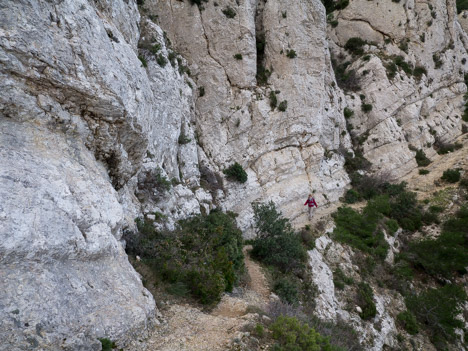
{"x": 75, "y": 107}
{"x": 106, "y": 116}
{"x": 411, "y": 109}
{"x": 286, "y": 154}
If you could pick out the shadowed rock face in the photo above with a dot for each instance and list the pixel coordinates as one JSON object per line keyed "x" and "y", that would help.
{"x": 72, "y": 130}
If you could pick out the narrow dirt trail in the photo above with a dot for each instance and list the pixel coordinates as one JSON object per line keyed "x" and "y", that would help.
{"x": 189, "y": 328}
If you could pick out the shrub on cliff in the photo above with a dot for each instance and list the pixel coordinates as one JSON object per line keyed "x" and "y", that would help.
{"x": 236, "y": 172}
{"x": 451, "y": 175}
{"x": 276, "y": 243}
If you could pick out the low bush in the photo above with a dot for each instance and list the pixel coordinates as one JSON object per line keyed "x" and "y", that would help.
{"x": 183, "y": 139}
{"x": 273, "y": 99}
{"x": 292, "y": 335}
{"x": 451, "y": 175}
{"x": 283, "y": 105}
{"x": 340, "y": 279}
{"x": 287, "y": 290}
{"x": 366, "y": 107}
{"x": 236, "y": 172}
{"x": 444, "y": 148}
{"x": 421, "y": 159}
{"x": 229, "y": 12}
{"x": 437, "y": 310}
{"x": 202, "y": 256}
{"x": 462, "y": 5}
{"x": 347, "y": 112}
{"x": 161, "y": 60}
{"x": 107, "y": 344}
{"x": 448, "y": 253}
{"x": 291, "y": 54}
{"x": 408, "y": 321}
{"x": 360, "y": 230}
{"x": 423, "y": 171}
{"x": 238, "y": 56}
{"x": 276, "y": 243}
{"x": 144, "y": 63}
{"x": 352, "y": 196}
{"x": 355, "y": 46}
{"x": 366, "y": 301}
{"x": 419, "y": 71}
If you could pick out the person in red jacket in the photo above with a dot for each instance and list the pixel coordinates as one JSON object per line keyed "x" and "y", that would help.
{"x": 311, "y": 202}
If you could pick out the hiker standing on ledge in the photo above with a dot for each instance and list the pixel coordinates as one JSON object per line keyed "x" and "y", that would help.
{"x": 311, "y": 202}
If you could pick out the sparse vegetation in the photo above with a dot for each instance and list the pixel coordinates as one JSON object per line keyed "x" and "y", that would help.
{"x": 423, "y": 171}
{"x": 238, "y": 56}
{"x": 161, "y": 60}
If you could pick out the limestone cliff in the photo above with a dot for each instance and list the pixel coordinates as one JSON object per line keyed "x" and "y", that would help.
{"x": 110, "y": 111}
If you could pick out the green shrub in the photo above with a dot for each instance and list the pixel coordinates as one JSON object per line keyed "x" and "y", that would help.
{"x": 462, "y": 5}
{"x": 366, "y": 301}
{"x": 366, "y": 108}
{"x": 451, "y": 175}
{"x": 352, "y": 196}
{"x": 171, "y": 56}
{"x": 437, "y": 310}
{"x": 291, "y": 54}
{"x": 392, "y": 226}
{"x": 423, "y": 171}
{"x": 419, "y": 71}
{"x": 408, "y": 321}
{"x": 236, "y": 172}
{"x": 107, "y": 344}
{"x": 262, "y": 75}
{"x": 283, "y": 105}
{"x": 331, "y": 5}
{"x": 437, "y": 60}
{"x": 360, "y": 230}
{"x": 405, "y": 66}
{"x": 229, "y": 12}
{"x": 421, "y": 159}
{"x": 259, "y": 331}
{"x": 444, "y": 148}
{"x": 183, "y": 139}
{"x": 203, "y": 255}
{"x": 292, "y": 335}
{"x": 404, "y": 209}
{"x": 347, "y": 112}
{"x": 276, "y": 243}
{"x": 355, "y": 162}
{"x": 161, "y": 60}
{"x": 287, "y": 290}
{"x": 143, "y": 61}
{"x": 448, "y": 253}
{"x": 340, "y": 279}
{"x": 355, "y": 46}
{"x": 238, "y": 56}
{"x": 273, "y": 99}
{"x": 201, "y": 91}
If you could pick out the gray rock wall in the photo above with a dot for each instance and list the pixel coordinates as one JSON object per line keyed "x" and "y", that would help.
{"x": 407, "y": 111}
